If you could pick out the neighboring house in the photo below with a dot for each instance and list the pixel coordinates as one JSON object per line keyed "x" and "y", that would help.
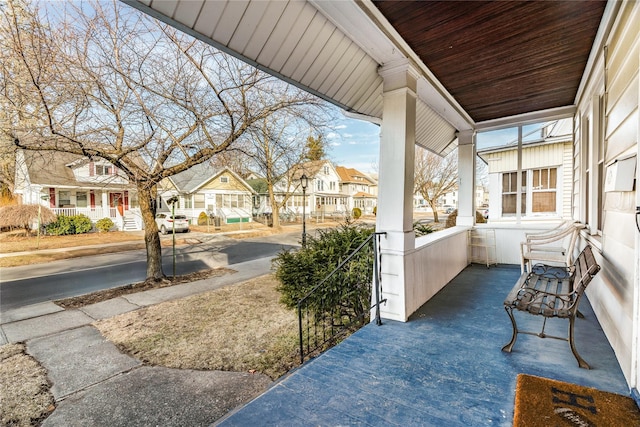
{"x": 204, "y": 188}
{"x": 547, "y": 167}
{"x": 322, "y": 195}
{"x": 70, "y": 184}
{"x": 362, "y": 190}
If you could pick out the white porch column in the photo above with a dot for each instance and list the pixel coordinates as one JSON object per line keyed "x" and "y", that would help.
{"x": 466, "y": 178}
{"x": 395, "y": 197}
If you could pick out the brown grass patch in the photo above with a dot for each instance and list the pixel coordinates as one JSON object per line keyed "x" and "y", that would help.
{"x": 17, "y": 241}
{"x": 238, "y": 328}
{"x": 24, "y": 389}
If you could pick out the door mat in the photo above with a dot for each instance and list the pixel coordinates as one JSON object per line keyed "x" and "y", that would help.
{"x": 544, "y": 402}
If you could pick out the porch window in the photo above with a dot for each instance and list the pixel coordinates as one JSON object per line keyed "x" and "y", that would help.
{"x": 64, "y": 199}
{"x": 510, "y": 192}
{"x": 81, "y": 199}
{"x": 544, "y": 190}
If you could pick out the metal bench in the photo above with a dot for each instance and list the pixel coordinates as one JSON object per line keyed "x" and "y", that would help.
{"x": 551, "y": 291}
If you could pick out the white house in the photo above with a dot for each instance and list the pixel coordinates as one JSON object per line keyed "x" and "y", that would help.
{"x": 361, "y": 189}
{"x": 69, "y": 184}
{"x": 322, "y": 197}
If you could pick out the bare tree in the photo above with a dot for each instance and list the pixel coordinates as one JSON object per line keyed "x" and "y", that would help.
{"x": 434, "y": 176}
{"x": 102, "y": 80}
{"x": 279, "y": 149}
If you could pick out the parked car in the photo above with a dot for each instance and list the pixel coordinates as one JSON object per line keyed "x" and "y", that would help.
{"x": 449, "y": 209}
{"x": 166, "y": 223}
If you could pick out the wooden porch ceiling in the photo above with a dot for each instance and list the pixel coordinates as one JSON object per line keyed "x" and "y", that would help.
{"x": 481, "y": 64}
{"x": 501, "y": 58}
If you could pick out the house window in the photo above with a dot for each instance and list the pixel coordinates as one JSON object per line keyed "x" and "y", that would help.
{"x": 510, "y": 193}
{"x": 320, "y": 185}
{"x": 64, "y": 199}
{"x": 188, "y": 202}
{"x": 326, "y": 170}
{"x": 102, "y": 170}
{"x": 81, "y": 200}
{"x": 543, "y": 188}
{"x": 224, "y": 179}
{"x": 198, "y": 201}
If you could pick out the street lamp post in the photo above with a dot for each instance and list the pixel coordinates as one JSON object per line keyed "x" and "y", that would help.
{"x": 304, "y": 181}
{"x": 172, "y": 201}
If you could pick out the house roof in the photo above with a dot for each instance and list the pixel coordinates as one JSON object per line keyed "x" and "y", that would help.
{"x": 363, "y": 195}
{"x": 192, "y": 179}
{"x": 353, "y": 175}
{"x": 55, "y": 169}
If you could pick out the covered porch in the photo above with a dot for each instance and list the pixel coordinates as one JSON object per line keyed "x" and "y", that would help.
{"x": 442, "y": 367}
{"x": 436, "y": 74}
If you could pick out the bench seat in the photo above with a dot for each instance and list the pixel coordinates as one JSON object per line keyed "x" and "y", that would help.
{"x": 552, "y": 291}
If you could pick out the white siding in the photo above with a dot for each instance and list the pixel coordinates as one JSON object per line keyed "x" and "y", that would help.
{"x": 614, "y": 293}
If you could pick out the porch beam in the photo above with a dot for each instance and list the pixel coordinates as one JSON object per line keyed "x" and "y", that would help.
{"x": 466, "y": 178}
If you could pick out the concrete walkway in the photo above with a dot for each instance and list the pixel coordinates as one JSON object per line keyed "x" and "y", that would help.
{"x": 93, "y": 383}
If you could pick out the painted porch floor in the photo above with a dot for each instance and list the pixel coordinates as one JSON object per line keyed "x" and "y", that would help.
{"x": 442, "y": 368}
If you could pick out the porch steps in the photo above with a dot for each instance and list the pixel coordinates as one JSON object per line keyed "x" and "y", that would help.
{"x": 129, "y": 224}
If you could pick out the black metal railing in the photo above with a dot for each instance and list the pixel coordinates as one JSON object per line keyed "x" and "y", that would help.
{"x": 325, "y": 317}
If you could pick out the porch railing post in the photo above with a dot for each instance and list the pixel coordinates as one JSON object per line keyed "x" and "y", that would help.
{"x": 376, "y": 277}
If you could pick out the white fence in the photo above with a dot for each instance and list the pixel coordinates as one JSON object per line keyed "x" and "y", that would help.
{"x": 98, "y": 213}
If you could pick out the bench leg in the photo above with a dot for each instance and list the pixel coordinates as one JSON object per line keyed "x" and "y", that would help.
{"x": 581, "y": 362}
{"x": 514, "y": 336}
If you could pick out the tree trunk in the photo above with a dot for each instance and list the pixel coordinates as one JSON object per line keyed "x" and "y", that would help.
{"x": 434, "y": 208}
{"x": 151, "y": 237}
{"x": 275, "y": 211}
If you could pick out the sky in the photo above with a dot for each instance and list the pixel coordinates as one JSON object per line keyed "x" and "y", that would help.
{"x": 355, "y": 144}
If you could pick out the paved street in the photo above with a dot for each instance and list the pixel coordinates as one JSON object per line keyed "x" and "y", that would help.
{"x": 26, "y": 285}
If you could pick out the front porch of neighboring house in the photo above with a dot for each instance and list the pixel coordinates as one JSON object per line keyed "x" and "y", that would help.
{"x": 229, "y": 207}
{"x": 121, "y": 206}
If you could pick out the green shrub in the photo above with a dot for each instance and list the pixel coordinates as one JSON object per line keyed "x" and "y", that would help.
{"x": 203, "y": 218}
{"x": 422, "y": 229}
{"x": 357, "y": 213}
{"x": 347, "y": 295}
{"x": 64, "y": 225}
{"x": 81, "y": 223}
{"x": 105, "y": 224}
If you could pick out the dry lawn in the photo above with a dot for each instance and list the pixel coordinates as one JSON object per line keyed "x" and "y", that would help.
{"x": 239, "y": 328}
{"x": 25, "y": 399}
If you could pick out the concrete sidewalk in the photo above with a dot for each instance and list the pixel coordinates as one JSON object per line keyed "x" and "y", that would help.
{"x": 93, "y": 383}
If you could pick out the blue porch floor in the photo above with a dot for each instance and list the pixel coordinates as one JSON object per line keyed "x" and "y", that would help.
{"x": 443, "y": 367}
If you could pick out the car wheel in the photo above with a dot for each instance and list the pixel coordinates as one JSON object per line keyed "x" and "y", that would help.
{"x": 163, "y": 230}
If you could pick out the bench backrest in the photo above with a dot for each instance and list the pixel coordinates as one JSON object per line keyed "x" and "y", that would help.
{"x": 585, "y": 267}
